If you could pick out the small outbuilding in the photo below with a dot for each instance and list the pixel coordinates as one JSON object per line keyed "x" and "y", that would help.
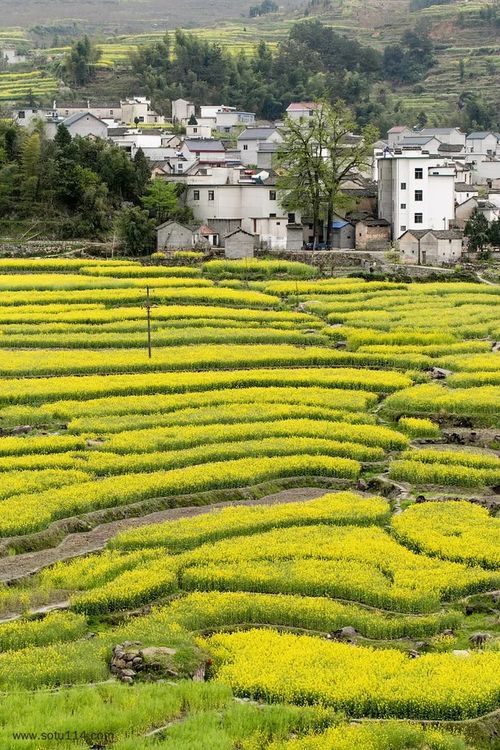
{"x": 239, "y": 244}
{"x": 206, "y": 236}
{"x": 372, "y": 234}
{"x": 342, "y": 234}
{"x": 294, "y": 237}
{"x": 173, "y": 235}
{"x": 433, "y": 247}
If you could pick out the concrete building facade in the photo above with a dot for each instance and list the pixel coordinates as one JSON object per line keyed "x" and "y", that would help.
{"x": 416, "y": 190}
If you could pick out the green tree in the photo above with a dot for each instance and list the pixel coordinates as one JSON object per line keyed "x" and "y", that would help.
{"x": 478, "y": 232}
{"x": 135, "y": 231}
{"x": 316, "y": 157}
{"x": 93, "y": 204}
{"x": 142, "y": 168}
{"x": 160, "y": 200}
{"x": 494, "y": 233}
{"x": 81, "y": 60}
{"x": 30, "y": 161}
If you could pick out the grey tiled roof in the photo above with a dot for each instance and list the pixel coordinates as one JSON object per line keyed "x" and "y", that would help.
{"x": 256, "y": 134}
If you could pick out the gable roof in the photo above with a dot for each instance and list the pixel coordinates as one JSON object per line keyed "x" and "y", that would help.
{"x": 206, "y": 231}
{"x": 417, "y": 140}
{"x": 87, "y": 104}
{"x": 299, "y": 106}
{"x": 438, "y": 131}
{"x": 78, "y": 116}
{"x": 256, "y": 134}
{"x": 173, "y": 223}
{"x": 464, "y": 187}
{"x": 398, "y": 129}
{"x": 479, "y": 135}
{"x": 204, "y": 145}
{"x": 451, "y": 147}
{"x": 371, "y": 222}
{"x": 239, "y": 231}
{"x": 439, "y": 234}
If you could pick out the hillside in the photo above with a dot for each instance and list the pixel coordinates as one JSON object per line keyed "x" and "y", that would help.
{"x": 467, "y": 45}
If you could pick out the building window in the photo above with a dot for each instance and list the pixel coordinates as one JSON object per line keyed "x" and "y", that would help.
{"x": 291, "y": 218}
{"x": 403, "y": 228}
{"x": 21, "y": 115}
{"x": 110, "y": 111}
{"x": 180, "y": 167}
{"x": 419, "y": 173}
{"x": 403, "y": 186}
{"x": 196, "y": 195}
{"x": 195, "y": 130}
{"x": 403, "y": 205}
{"x": 272, "y": 216}
{"x": 419, "y": 195}
{"x": 211, "y": 195}
{"x": 419, "y": 218}
{"x": 245, "y": 147}
{"x": 272, "y": 195}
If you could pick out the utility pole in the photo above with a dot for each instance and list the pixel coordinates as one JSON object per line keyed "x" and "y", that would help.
{"x": 148, "y": 305}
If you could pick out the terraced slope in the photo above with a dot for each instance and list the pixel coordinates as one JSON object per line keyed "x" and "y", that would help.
{"x": 346, "y": 565}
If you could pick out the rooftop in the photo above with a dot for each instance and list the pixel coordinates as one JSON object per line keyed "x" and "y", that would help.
{"x": 300, "y": 106}
{"x": 87, "y": 104}
{"x": 440, "y": 234}
{"x": 256, "y": 134}
{"x": 416, "y": 140}
{"x": 204, "y": 144}
{"x": 438, "y": 131}
{"x": 479, "y": 135}
{"x": 371, "y": 222}
{"x": 463, "y": 187}
{"x": 78, "y": 116}
{"x": 451, "y": 147}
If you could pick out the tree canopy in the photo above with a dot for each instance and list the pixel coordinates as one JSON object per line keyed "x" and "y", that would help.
{"x": 316, "y": 157}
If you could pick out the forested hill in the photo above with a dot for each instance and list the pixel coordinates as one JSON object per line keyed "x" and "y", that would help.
{"x": 383, "y": 84}
{"x": 416, "y": 61}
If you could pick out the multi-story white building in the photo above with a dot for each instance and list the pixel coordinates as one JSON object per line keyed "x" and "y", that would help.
{"x": 251, "y": 139}
{"x": 483, "y": 156}
{"x": 484, "y": 143}
{"x": 102, "y": 110}
{"x": 416, "y": 190}
{"x": 182, "y": 110}
{"x": 228, "y": 198}
{"x": 138, "y": 109}
{"x": 226, "y": 118}
{"x": 451, "y": 136}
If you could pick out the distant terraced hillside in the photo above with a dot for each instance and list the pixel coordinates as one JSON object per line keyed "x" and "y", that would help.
{"x": 467, "y": 44}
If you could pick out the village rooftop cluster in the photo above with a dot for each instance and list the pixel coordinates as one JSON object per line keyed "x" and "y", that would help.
{"x": 417, "y": 193}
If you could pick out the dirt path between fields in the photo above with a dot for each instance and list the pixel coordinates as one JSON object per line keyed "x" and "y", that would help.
{"x": 74, "y": 545}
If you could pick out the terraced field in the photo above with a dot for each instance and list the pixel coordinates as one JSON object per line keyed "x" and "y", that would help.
{"x": 18, "y": 86}
{"x": 280, "y": 505}
{"x": 466, "y": 46}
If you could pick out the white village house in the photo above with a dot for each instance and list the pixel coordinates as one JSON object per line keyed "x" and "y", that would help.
{"x": 431, "y": 247}
{"x": 251, "y": 140}
{"x": 416, "y": 190}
